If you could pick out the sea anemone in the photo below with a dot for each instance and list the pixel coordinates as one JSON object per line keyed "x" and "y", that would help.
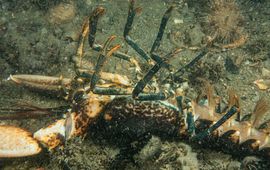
{"x": 224, "y": 23}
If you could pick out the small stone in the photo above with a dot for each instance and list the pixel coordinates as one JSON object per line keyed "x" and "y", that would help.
{"x": 178, "y": 21}
{"x": 230, "y": 66}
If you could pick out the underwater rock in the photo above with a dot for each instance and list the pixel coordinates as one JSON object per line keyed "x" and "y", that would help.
{"x": 151, "y": 149}
{"x": 234, "y": 165}
{"x": 230, "y": 66}
{"x": 167, "y": 155}
{"x": 217, "y": 161}
{"x": 177, "y": 155}
{"x": 252, "y": 162}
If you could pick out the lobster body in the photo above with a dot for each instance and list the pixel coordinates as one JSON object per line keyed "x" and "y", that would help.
{"x": 141, "y": 117}
{"x": 131, "y": 120}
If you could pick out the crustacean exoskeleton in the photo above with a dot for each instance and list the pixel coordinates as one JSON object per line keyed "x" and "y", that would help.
{"x": 133, "y": 112}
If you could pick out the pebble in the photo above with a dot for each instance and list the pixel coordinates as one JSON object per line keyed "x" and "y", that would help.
{"x": 178, "y": 21}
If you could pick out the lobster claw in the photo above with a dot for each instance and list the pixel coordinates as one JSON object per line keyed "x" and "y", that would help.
{"x": 52, "y": 85}
{"x": 17, "y": 142}
{"x": 53, "y": 135}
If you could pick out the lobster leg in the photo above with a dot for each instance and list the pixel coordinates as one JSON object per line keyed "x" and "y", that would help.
{"x": 110, "y": 91}
{"x": 181, "y": 70}
{"x": 191, "y": 124}
{"x": 17, "y": 142}
{"x": 89, "y": 28}
{"x": 51, "y": 85}
{"x": 131, "y": 14}
{"x": 233, "y": 110}
{"x": 162, "y": 26}
{"x": 97, "y": 74}
{"x": 93, "y": 20}
{"x": 61, "y": 86}
{"x": 120, "y": 55}
{"x": 161, "y": 63}
{"x": 189, "y": 118}
{"x": 101, "y": 60}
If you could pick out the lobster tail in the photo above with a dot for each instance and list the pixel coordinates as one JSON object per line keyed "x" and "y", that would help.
{"x": 244, "y": 136}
